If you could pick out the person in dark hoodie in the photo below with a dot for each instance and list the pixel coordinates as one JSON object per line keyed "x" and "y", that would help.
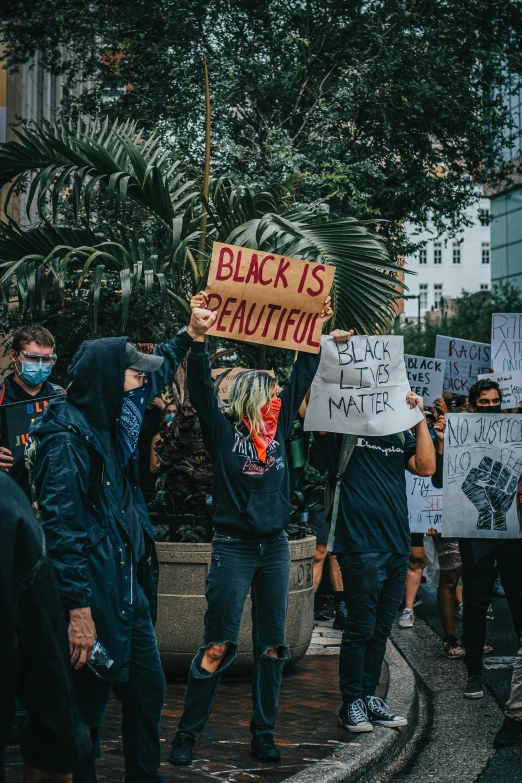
{"x": 34, "y": 651}
{"x": 250, "y": 549}
{"x": 84, "y": 476}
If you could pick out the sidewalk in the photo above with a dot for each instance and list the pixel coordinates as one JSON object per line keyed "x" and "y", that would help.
{"x": 307, "y": 728}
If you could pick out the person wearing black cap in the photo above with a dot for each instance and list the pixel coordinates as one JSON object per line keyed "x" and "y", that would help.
{"x": 84, "y": 480}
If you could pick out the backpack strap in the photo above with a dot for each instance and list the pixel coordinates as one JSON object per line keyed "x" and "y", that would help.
{"x": 348, "y": 445}
{"x": 57, "y": 388}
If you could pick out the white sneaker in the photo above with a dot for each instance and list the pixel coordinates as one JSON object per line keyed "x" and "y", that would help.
{"x": 407, "y": 619}
{"x": 460, "y": 612}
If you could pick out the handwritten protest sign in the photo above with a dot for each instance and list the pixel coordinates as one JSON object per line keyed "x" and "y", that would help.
{"x": 360, "y": 388}
{"x": 424, "y": 504}
{"x": 506, "y": 342}
{"x": 510, "y": 384}
{"x": 16, "y": 419}
{"x": 266, "y": 298}
{"x": 465, "y": 361}
{"x": 482, "y": 467}
{"x": 230, "y": 375}
{"x": 426, "y": 376}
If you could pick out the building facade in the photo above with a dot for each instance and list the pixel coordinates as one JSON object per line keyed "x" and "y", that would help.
{"x": 506, "y": 208}
{"x": 446, "y": 266}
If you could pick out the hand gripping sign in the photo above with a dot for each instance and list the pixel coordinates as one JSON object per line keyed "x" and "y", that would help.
{"x": 267, "y": 298}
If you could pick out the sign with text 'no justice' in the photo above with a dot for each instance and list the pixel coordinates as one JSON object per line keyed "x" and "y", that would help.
{"x": 482, "y": 467}
{"x": 267, "y": 298}
{"x": 360, "y": 388}
{"x": 465, "y": 361}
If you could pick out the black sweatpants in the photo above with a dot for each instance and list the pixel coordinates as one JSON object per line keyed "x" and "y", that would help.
{"x": 478, "y": 577}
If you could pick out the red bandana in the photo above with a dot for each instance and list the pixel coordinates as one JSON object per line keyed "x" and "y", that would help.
{"x": 270, "y": 414}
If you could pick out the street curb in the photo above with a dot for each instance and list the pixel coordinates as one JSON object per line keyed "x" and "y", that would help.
{"x": 372, "y": 752}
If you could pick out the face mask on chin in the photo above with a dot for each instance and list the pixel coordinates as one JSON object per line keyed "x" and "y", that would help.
{"x": 34, "y": 373}
{"x": 489, "y": 408}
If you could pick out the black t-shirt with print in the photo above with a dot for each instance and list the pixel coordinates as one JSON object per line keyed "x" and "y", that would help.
{"x": 250, "y": 498}
{"x": 373, "y": 511}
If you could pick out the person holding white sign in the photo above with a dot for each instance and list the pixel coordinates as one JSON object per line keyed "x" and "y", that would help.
{"x": 479, "y": 555}
{"x": 371, "y": 537}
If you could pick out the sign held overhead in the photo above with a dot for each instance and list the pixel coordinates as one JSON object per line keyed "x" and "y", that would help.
{"x": 465, "y": 361}
{"x": 267, "y": 298}
{"x": 426, "y": 376}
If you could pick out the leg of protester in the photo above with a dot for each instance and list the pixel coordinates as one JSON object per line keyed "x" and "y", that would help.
{"x": 416, "y": 566}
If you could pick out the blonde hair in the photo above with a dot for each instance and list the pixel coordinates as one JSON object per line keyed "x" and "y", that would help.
{"x": 248, "y": 393}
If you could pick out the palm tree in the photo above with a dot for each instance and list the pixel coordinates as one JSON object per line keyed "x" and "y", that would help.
{"x": 73, "y": 168}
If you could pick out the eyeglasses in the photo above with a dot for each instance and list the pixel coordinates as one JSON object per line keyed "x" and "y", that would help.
{"x": 37, "y": 358}
{"x": 141, "y": 376}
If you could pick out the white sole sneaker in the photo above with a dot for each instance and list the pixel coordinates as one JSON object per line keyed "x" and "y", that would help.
{"x": 407, "y": 622}
{"x": 391, "y": 724}
{"x": 362, "y": 727}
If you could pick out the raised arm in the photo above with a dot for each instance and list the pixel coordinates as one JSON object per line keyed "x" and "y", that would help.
{"x": 423, "y": 461}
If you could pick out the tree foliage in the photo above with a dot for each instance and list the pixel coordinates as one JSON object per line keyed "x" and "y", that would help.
{"x": 469, "y": 318}
{"x": 381, "y": 107}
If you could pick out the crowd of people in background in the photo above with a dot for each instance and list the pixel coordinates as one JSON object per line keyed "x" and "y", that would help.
{"x": 79, "y": 568}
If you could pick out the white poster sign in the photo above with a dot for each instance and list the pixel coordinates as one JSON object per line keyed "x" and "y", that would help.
{"x": 506, "y": 342}
{"x": 465, "y": 361}
{"x": 424, "y": 504}
{"x": 426, "y": 376}
{"x": 360, "y": 388}
{"x": 510, "y": 384}
{"x": 482, "y": 467}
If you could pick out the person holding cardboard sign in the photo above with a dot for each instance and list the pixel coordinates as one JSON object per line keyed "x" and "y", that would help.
{"x": 250, "y": 549}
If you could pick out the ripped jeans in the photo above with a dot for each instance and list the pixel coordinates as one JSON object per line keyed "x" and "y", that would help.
{"x": 238, "y": 565}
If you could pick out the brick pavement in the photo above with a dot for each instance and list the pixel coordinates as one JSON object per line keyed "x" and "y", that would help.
{"x": 307, "y": 728}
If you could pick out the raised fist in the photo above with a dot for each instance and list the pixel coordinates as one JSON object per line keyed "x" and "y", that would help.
{"x": 491, "y": 488}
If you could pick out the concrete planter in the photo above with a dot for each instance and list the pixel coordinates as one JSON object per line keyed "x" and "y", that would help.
{"x": 182, "y": 605}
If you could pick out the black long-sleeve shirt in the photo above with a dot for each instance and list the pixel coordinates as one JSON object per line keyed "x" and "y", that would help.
{"x": 250, "y": 498}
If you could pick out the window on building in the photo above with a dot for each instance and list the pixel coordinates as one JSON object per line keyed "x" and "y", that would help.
{"x": 485, "y": 252}
{"x": 484, "y": 286}
{"x": 423, "y": 256}
{"x": 483, "y": 216}
{"x": 437, "y": 295}
{"x": 423, "y": 296}
{"x": 437, "y": 252}
{"x": 456, "y": 252}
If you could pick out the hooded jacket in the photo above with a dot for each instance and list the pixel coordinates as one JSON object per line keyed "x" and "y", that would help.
{"x": 81, "y": 499}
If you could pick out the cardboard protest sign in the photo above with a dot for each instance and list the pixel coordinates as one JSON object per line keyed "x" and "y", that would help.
{"x": 506, "y": 342}
{"x": 226, "y": 383}
{"x": 360, "y": 388}
{"x": 510, "y": 384}
{"x": 482, "y": 467}
{"x": 16, "y": 418}
{"x": 267, "y": 298}
{"x": 465, "y": 361}
{"x": 426, "y": 376}
{"x": 424, "y": 504}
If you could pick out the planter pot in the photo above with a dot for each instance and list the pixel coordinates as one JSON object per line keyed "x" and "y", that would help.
{"x": 182, "y": 605}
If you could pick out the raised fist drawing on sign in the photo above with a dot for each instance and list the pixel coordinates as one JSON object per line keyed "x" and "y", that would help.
{"x": 491, "y": 488}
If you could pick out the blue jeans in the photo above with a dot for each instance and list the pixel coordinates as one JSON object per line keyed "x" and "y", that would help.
{"x": 373, "y": 587}
{"x": 141, "y": 698}
{"x": 238, "y": 565}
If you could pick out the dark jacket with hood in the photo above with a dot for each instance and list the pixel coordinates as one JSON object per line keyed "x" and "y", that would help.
{"x": 85, "y": 501}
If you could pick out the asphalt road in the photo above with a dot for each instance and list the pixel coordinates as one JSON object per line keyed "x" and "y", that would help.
{"x": 506, "y": 765}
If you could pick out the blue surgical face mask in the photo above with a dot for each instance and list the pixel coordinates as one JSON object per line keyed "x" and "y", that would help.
{"x": 170, "y": 417}
{"x": 35, "y": 373}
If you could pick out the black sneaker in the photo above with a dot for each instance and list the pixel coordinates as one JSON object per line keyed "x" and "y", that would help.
{"x": 341, "y": 616}
{"x": 473, "y": 689}
{"x": 264, "y": 748}
{"x": 380, "y": 715}
{"x": 325, "y": 610}
{"x": 354, "y": 718}
{"x": 508, "y": 734}
{"x": 181, "y": 753}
